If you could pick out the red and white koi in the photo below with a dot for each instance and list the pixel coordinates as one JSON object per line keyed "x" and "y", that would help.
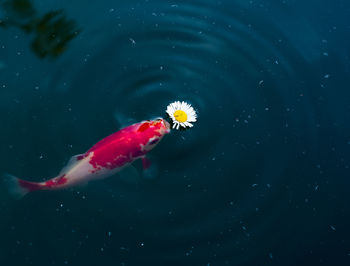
{"x": 104, "y": 159}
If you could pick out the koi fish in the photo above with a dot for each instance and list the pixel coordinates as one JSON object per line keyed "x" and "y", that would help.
{"x": 104, "y": 159}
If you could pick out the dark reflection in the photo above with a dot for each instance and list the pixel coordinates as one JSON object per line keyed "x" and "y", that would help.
{"x": 52, "y": 31}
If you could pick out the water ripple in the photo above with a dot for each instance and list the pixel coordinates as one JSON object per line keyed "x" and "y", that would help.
{"x": 224, "y": 183}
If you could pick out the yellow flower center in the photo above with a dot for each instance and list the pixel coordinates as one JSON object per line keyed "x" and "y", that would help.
{"x": 180, "y": 116}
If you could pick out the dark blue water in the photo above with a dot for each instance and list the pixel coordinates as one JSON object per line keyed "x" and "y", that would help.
{"x": 261, "y": 179}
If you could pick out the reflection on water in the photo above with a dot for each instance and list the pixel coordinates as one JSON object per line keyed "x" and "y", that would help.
{"x": 52, "y": 31}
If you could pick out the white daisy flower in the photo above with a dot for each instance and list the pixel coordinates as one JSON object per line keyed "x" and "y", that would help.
{"x": 181, "y": 114}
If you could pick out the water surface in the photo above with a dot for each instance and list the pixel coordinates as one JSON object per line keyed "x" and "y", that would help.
{"x": 262, "y": 178}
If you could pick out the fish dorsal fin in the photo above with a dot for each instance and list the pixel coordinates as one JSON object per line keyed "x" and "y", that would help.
{"x": 72, "y": 162}
{"x": 124, "y": 120}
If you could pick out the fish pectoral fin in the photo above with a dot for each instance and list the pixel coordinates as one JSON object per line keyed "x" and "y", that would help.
{"x": 146, "y": 163}
{"x": 150, "y": 167}
{"x": 71, "y": 163}
{"x": 129, "y": 175}
{"x": 124, "y": 120}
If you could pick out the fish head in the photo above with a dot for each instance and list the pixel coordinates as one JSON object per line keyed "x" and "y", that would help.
{"x": 152, "y": 131}
{"x": 161, "y": 125}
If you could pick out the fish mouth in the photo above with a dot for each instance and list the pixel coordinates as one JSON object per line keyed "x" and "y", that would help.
{"x": 166, "y": 123}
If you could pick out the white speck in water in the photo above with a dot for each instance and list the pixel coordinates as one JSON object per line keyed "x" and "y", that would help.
{"x": 142, "y": 244}
{"x": 316, "y": 188}
{"x": 132, "y": 41}
{"x": 261, "y": 82}
{"x": 325, "y": 54}
{"x": 109, "y": 234}
{"x": 276, "y": 62}
{"x": 326, "y": 76}
{"x": 270, "y": 255}
{"x": 332, "y": 227}
{"x": 254, "y": 185}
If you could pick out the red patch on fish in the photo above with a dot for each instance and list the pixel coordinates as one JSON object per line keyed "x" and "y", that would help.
{"x": 56, "y": 181}
{"x": 143, "y": 127}
{"x": 30, "y": 186}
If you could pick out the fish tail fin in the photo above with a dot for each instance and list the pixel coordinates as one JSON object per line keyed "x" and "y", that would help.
{"x": 18, "y": 188}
